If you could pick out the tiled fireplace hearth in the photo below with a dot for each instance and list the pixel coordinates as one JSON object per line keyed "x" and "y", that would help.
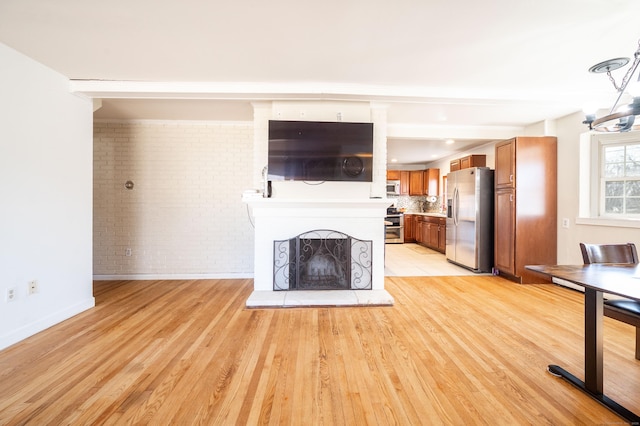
{"x": 318, "y": 252}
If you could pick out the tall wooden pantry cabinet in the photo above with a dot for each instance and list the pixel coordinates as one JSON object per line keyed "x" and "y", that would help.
{"x": 525, "y": 206}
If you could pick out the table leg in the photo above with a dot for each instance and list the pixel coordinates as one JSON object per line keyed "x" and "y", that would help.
{"x": 593, "y": 366}
{"x": 593, "y": 340}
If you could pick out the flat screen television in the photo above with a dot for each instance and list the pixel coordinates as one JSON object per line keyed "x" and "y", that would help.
{"x": 320, "y": 151}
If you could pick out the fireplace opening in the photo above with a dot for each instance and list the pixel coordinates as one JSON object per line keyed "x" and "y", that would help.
{"x": 323, "y": 265}
{"x": 322, "y": 260}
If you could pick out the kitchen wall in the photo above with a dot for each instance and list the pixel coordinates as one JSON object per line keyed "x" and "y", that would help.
{"x": 414, "y": 203}
{"x": 45, "y": 193}
{"x": 184, "y": 216}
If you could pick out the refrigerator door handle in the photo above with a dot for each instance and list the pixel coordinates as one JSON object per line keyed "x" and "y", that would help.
{"x": 456, "y": 202}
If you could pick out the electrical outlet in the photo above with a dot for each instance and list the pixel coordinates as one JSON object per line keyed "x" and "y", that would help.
{"x": 565, "y": 222}
{"x": 127, "y": 252}
{"x": 32, "y": 287}
{"x": 11, "y": 295}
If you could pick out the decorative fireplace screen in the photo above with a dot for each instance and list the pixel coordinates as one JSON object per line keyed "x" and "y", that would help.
{"x": 322, "y": 260}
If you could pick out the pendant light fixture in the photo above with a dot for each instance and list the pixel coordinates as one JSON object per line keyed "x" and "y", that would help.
{"x": 619, "y": 118}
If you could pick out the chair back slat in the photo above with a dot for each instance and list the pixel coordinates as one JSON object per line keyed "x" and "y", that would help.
{"x": 609, "y": 253}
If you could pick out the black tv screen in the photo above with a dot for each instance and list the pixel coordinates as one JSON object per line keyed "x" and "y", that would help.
{"x": 320, "y": 151}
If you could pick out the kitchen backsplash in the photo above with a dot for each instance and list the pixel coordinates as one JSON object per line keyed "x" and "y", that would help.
{"x": 416, "y": 204}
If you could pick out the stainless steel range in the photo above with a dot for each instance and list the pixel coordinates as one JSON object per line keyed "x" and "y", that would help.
{"x": 394, "y": 228}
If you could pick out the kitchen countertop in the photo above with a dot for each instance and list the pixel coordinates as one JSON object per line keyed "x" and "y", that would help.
{"x": 433, "y": 214}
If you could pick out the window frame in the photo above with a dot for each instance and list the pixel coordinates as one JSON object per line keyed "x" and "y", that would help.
{"x": 602, "y": 145}
{"x": 591, "y": 179}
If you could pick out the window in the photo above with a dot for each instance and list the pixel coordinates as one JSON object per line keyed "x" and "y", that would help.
{"x": 620, "y": 179}
{"x": 609, "y": 179}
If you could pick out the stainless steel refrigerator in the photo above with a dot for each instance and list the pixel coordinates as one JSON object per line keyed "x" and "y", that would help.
{"x": 470, "y": 218}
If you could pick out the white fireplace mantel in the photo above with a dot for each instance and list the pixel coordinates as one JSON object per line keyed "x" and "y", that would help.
{"x": 283, "y": 218}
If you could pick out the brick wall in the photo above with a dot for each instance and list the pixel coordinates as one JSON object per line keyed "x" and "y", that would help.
{"x": 184, "y": 216}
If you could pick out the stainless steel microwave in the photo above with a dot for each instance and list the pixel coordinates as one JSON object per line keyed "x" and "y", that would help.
{"x": 393, "y": 187}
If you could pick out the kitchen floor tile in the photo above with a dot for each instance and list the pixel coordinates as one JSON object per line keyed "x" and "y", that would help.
{"x": 411, "y": 260}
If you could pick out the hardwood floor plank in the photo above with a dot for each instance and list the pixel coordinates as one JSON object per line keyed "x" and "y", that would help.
{"x": 453, "y": 350}
{"x": 330, "y": 392}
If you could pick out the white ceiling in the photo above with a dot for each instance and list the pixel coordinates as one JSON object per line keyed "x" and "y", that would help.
{"x": 462, "y": 69}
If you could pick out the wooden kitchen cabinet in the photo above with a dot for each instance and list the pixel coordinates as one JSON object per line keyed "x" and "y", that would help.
{"x": 425, "y": 233}
{"x": 409, "y": 228}
{"x": 504, "y": 173}
{"x": 416, "y": 182}
{"x": 393, "y": 174}
{"x": 404, "y": 182}
{"x": 442, "y": 235}
{"x": 525, "y": 206}
{"x": 418, "y": 229}
{"x": 430, "y": 232}
{"x": 434, "y": 230}
{"x": 475, "y": 160}
{"x": 431, "y": 182}
{"x": 504, "y": 258}
{"x": 424, "y": 182}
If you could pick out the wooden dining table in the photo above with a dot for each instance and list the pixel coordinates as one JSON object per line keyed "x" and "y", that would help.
{"x": 597, "y": 279}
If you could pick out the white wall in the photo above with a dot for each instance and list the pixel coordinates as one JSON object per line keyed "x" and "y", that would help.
{"x": 569, "y": 130}
{"x": 45, "y": 212}
{"x": 184, "y": 217}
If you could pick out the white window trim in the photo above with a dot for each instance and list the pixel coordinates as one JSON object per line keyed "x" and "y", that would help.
{"x": 589, "y": 179}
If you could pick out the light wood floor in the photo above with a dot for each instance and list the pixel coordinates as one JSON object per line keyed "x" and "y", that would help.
{"x": 453, "y": 350}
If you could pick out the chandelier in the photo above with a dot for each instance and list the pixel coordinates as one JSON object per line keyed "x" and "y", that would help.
{"x": 619, "y": 119}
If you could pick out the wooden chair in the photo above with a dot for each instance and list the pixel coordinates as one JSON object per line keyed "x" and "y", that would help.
{"x": 627, "y": 311}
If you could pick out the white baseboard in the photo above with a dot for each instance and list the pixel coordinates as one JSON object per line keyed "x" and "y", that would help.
{"x": 568, "y": 284}
{"x": 43, "y": 323}
{"x": 134, "y": 277}
{"x": 573, "y": 286}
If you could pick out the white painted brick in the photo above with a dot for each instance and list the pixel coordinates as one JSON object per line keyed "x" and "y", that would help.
{"x": 185, "y": 214}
